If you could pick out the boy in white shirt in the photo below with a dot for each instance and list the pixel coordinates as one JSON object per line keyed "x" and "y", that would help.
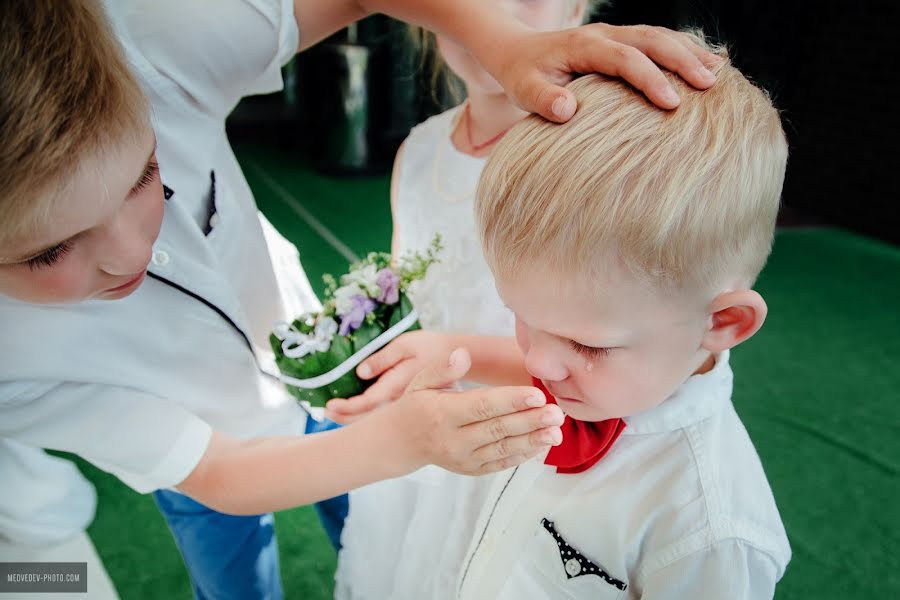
{"x": 135, "y": 315}
{"x": 627, "y": 241}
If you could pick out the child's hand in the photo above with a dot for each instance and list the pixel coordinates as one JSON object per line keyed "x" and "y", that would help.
{"x": 395, "y": 366}
{"x": 534, "y": 66}
{"x": 473, "y": 432}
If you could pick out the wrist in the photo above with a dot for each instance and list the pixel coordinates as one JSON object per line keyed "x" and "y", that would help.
{"x": 395, "y": 440}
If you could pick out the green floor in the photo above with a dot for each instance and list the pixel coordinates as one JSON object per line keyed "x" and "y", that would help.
{"x": 817, "y": 388}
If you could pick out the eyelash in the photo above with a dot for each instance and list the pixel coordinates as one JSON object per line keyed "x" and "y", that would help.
{"x": 50, "y": 257}
{"x": 53, "y": 255}
{"x": 147, "y": 177}
{"x": 589, "y": 351}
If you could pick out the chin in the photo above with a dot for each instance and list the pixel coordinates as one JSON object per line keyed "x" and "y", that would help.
{"x": 580, "y": 411}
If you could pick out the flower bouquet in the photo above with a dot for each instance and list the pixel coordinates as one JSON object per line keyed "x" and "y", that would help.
{"x": 317, "y": 354}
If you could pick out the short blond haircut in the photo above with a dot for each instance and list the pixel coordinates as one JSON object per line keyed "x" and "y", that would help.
{"x": 66, "y": 94}
{"x": 681, "y": 199}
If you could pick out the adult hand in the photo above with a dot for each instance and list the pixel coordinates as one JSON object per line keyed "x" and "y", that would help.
{"x": 533, "y": 67}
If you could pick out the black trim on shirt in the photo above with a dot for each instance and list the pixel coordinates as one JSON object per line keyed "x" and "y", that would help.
{"x": 200, "y": 298}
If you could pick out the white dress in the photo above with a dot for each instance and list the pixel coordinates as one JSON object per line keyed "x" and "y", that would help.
{"x": 431, "y": 513}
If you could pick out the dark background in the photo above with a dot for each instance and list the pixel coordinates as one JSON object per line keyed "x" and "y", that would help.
{"x": 830, "y": 66}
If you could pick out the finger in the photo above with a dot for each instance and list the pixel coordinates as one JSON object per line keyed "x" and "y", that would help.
{"x": 553, "y": 102}
{"x": 710, "y": 59}
{"x": 669, "y": 51}
{"x": 350, "y": 407}
{"x": 484, "y": 404}
{"x": 442, "y": 373}
{"x": 533, "y": 441}
{"x": 513, "y": 425}
{"x": 382, "y": 360}
{"x": 343, "y": 419}
{"x": 508, "y": 462}
{"x": 623, "y": 60}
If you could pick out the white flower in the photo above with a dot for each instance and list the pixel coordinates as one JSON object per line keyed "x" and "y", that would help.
{"x": 297, "y": 345}
{"x": 325, "y": 329}
{"x": 343, "y": 298}
{"x": 365, "y": 278}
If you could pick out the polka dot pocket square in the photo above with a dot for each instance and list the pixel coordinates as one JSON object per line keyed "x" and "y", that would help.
{"x": 576, "y": 565}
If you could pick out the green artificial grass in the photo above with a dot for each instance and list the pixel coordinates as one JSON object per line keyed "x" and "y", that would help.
{"x": 817, "y": 389}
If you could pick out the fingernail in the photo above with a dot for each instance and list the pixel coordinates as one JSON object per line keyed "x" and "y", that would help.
{"x": 670, "y": 96}
{"x": 535, "y": 400}
{"x": 454, "y": 357}
{"x": 705, "y": 75}
{"x": 364, "y": 371}
{"x": 554, "y": 437}
{"x": 551, "y": 418}
{"x": 562, "y": 107}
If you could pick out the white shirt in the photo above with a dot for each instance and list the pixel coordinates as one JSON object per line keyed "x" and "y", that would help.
{"x": 679, "y": 508}
{"x": 137, "y": 385}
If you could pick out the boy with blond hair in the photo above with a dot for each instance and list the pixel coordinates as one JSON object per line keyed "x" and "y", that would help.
{"x": 627, "y": 242}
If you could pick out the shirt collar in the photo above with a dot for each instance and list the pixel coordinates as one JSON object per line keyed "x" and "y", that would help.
{"x": 698, "y": 398}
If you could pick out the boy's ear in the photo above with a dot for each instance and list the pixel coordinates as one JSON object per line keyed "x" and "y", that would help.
{"x": 734, "y": 317}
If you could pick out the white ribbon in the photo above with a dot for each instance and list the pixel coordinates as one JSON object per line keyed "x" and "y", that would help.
{"x": 363, "y": 353}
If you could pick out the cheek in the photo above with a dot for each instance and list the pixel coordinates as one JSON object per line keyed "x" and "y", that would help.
{"x": 68, "y": 282}
{"x": 152, "y": 208}
{"x": 549, "y": 15}
{"x": 522, "y": 337}
{"x": 465, "y": 66}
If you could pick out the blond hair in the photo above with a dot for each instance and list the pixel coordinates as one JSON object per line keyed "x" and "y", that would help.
{"x": 66, "y": 94}
{"x": 682, "y": 198}
{"x": 425, "y": 44}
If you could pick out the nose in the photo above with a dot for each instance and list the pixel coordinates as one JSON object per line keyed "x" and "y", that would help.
{"x": 123, "y": 249}
{"x": 542, "y": 362}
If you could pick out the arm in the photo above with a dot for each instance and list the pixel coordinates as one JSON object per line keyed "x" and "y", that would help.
{"x": 395, "y": 193}
{"x": 532, "y": 67}
{"x": 467, "y": 432}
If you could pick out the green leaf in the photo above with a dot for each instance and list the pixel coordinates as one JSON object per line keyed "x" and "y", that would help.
{"x": 365, "y": 334}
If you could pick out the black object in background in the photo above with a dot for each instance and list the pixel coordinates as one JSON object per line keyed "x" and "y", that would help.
{"x": 832, "y": 69}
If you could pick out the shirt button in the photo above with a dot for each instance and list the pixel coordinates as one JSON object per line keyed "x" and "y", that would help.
{"x": 215, "y": 220}
{"x": 573, "y": 567}
{"x": 160, "y": 258}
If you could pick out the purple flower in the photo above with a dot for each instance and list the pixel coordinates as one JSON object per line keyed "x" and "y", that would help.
{"x": 353, "y": 319}
{"x": 389, "y": 283}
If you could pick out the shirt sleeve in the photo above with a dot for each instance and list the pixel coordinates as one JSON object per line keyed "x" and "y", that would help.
{"x": 148, "y": 442}
{"x": 216, "y": 51}
{"x": 731, "y": 569}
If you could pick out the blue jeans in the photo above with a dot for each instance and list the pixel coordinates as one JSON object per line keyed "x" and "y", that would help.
{"x": 236, "y": 557}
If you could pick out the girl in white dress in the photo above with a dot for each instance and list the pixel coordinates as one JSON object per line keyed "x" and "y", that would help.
{"x": 397, "y": 526}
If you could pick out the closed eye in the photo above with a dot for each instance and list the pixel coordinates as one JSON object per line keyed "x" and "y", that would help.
{"x": 147, "y": 176}
{"x": 589, "y": 351}
{"x": 50, "y": 257}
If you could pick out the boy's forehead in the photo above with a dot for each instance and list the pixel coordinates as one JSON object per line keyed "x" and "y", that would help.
{"x": 563, "y": 304}
{"x": 616, "y": 308}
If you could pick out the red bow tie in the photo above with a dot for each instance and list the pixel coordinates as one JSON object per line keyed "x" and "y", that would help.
{"x": 583, "y": 443}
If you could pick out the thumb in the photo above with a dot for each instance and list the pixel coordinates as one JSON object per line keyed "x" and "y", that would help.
{"x": 553, "y": 102}
{"x": 441, "y": 374}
